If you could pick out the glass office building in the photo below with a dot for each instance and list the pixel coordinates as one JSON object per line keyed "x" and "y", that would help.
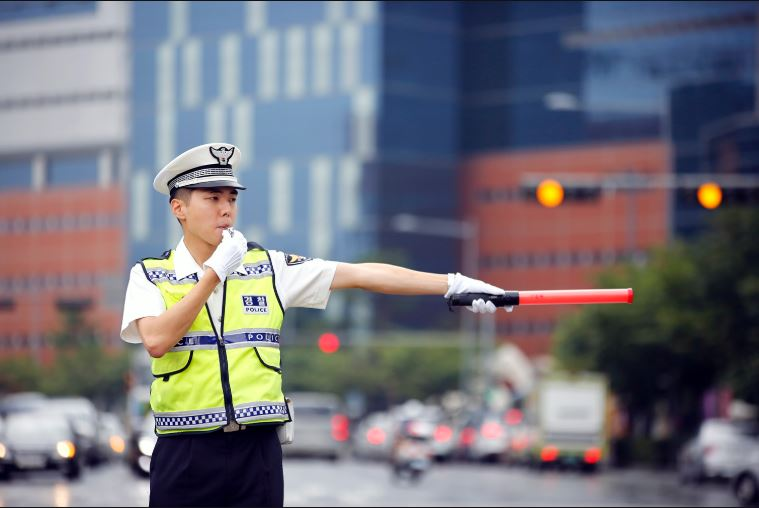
{"x": 292, "y": 84}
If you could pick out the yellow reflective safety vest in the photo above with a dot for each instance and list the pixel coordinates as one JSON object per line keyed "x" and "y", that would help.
{"x": 212, "y": 377}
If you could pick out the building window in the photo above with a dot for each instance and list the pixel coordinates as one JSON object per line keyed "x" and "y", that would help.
{"x": 7, "y": 304}
{"x": 281, "y": 205}
{"x": 322, "y": 69}
{"x": 295, "y": 62}
{"x": 267, "y": 65}
{"x": 13, "y": 11}
{"x": 15, "y": 174}
{"x": 72, "y": 169}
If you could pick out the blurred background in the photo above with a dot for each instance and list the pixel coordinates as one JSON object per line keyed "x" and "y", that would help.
{"x": 534, "y": 145}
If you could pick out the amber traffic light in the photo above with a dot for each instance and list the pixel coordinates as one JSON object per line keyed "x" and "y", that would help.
{"x": 549, "y": 193}
{"x": 709, "y": 195}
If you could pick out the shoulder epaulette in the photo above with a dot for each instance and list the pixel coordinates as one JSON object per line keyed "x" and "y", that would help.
{"x": 165, "y": 255}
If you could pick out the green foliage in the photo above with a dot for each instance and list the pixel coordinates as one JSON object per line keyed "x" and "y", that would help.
{"x": 19, "y": 374}
{"x": 386, "y": 373}
{"x": 80, "y": 366}
{"x": 694, "y": 323}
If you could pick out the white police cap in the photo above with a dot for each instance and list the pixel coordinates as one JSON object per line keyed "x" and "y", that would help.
{"x": 207, "y": 165}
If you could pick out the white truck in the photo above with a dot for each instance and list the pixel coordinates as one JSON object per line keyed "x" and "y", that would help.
{"x": 572, "y": 421}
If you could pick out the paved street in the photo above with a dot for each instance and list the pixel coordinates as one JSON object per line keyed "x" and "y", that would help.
{"x": 358, "y": 483}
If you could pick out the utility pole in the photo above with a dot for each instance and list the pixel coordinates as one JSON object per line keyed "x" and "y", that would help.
{"x": 468, "y": 232}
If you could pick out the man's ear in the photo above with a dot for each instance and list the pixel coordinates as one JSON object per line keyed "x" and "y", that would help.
{"x": 178, "y": 208}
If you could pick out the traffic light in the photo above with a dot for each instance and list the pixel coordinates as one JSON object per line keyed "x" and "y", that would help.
{"x": 328, "y": 343}
{"x": 551, "y": 193}
{"x": 709, "y": 195}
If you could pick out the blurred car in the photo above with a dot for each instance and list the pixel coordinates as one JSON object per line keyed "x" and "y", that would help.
{"x": 373, "y": 438}
{"x": 321, "y": 427}
{"x": 22, "y": 401}
{"x": 717, "y": 451}
{"x": 4, "y": 457}
{"x": 84, "y": 416}
{"x": 443, "y": 440}
{"x": 523, "y": 434}
{"x": 36, "y": 440}
{"x": 111, "y": 436}
{"x": 490, "y": 437}
{"x": 140, "y": 446}
{"x": 745, "y": 482}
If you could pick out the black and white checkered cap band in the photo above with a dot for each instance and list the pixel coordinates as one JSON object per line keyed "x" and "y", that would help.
{"x": 203, "y": 172}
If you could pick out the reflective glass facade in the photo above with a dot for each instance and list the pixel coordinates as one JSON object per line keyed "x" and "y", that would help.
{"x": 292, "y": 84}
{"x": 545, "y": 74}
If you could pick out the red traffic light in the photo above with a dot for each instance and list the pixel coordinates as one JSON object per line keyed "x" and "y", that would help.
{"x": 329, "y": 343}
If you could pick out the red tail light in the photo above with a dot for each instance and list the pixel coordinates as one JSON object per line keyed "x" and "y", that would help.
{"x": 549, "y": 454}
{"x": 513, "y": 417}
{"x": 443, "y": 433}
{"x": 491, "y": 430}
{"x": 467, "y": 436}
{"x": 592, "y": 455}
{"x": 375, "y": 436}
{"x": 340, "y": 427}
{"x": 519, "y": 443}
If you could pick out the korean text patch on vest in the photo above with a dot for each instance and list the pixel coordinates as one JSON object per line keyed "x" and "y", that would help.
{"x": 255, "y": 304}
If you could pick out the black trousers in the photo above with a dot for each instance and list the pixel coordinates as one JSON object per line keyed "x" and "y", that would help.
{"x": 242, "y": 468}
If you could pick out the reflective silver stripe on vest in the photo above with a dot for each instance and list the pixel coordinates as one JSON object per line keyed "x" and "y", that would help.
{"x": 259, "y": 411}
{"x": 252, "y": 337}
{"x": 246, "y": 337}
{"x": 195, "y": 342}
{"x": 191, "y": 419}
{"x": 212, "y": 417}
{"x": 252, "y": 271}
{"x": 157, "y": 275}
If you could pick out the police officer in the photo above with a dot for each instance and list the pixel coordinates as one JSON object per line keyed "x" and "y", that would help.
{"x": 209, "y": 313}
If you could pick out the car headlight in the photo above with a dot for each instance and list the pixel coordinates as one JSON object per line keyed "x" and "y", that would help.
{"x": 3, "y": 451}
{"x": 116, "y": 443}
{"x": 146, "y": 445}
{"x": 65, "y": 449}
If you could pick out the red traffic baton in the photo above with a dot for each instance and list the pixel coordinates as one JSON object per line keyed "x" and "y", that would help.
{"x": 547, "y": 297}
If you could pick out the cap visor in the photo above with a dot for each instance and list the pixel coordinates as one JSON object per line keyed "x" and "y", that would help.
{"x": 218, "y": 183}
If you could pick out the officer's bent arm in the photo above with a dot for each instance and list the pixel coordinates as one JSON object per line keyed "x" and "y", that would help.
{"x": 161, "y": 333}
{"x": 388, "y": 279}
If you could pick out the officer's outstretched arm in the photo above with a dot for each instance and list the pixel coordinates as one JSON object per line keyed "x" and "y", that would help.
{"x": 388, "y": 279}
{"x": 396, "y": 280}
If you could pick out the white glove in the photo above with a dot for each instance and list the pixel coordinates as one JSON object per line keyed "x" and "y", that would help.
{"x": 458, "y": 283}
{"x": 228, "y": 255}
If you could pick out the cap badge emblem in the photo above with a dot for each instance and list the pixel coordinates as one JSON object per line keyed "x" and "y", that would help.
{"x": 222, "y": 154}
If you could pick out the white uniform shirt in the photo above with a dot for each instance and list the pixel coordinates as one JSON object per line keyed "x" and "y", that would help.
{"x": 300, "y": 283}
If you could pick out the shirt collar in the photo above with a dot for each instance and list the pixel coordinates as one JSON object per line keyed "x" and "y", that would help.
{"x": 184, "y": 263}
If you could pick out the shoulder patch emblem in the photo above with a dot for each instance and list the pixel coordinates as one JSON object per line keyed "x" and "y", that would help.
{"x": 294, "y": 259}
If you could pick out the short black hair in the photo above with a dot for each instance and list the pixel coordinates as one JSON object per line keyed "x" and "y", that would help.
{"x": 182, "y": 193}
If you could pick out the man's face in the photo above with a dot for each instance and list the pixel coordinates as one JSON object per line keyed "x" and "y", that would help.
{"x": 209, "y": 211}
